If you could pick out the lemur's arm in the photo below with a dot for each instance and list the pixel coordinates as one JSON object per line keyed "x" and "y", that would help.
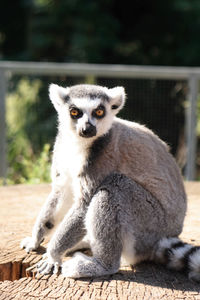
{"x": 70, "y": 231}
{"x": 45, "y": 221}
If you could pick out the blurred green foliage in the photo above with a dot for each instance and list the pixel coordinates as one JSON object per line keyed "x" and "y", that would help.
{"x": 27, "y": 161}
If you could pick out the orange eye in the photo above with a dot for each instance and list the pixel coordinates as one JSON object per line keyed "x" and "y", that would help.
{"x": 99, "y": 112}
{"x": 74, "y": 112}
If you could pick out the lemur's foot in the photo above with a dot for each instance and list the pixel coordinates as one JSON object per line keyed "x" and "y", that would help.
{"x": 70, "y": 268}
{"x": 47, "y": 266}
{"x": 81, "y": 265}
{"x": 29, "y": 244}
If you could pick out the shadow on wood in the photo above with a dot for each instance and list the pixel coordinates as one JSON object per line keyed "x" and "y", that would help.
{"x": 19, "y": 207}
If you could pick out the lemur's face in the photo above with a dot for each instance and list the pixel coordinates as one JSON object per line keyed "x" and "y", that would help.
{"x": 87, "y": 109}
{"x": 88, "y": 117}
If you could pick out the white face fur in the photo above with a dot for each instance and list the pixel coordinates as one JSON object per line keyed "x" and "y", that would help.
{"x": 86, "y": 111}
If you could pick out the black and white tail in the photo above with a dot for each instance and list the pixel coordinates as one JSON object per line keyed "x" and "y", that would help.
{"x": 179, "y": 256}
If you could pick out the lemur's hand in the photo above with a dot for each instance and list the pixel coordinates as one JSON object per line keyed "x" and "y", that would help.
{"x": 29, "y": 244}
{"x": 48, "y": 265}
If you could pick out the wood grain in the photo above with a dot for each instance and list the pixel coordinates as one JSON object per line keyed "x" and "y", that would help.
{"x": 19, "y": 208}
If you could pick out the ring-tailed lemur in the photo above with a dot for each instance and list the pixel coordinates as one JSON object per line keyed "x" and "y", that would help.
{"x": 129, "y": 198}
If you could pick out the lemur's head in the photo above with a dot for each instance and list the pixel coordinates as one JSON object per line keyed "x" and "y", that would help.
{"x": 88, "y": 110}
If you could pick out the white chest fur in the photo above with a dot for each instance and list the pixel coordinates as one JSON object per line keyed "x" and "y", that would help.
{"x": 70, "y": 158}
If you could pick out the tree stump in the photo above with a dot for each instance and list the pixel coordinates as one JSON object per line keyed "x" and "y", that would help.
{"x": 19, "y": 208}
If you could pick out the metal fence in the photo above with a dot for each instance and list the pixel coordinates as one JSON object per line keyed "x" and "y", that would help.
{"x": 190, "y": 75}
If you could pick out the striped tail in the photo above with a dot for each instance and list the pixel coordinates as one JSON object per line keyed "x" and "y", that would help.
{"x": 179, "y": 256}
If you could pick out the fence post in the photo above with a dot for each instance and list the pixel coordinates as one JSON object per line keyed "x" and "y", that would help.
{"x": 2, "y": 125}
{"x": 191, "y": 118}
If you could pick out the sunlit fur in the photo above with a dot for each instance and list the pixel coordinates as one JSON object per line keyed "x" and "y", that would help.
{"x": 128, "y": 196}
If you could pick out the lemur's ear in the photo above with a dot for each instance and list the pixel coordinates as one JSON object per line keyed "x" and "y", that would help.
{"x": 58, "y": 95}
{"x": 118, "y": 97}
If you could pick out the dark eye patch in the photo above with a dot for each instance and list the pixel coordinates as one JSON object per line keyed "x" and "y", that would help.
{"x": 114, "y": 106}
{"x": 75, "y": 112}
{"x": 99, "y": 112}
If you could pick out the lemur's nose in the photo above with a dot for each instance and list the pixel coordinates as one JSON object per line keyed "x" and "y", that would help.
{"x": 88, "y": 131}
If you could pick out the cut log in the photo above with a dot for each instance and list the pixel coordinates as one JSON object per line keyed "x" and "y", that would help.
{"x": 19, "y": 208}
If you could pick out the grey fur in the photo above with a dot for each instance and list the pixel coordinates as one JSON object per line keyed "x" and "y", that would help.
{"x": 88, "y": 91}
{"x": 127, "y": 189}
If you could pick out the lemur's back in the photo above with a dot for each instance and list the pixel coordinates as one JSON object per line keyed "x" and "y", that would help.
{"x": 143, "y": 157}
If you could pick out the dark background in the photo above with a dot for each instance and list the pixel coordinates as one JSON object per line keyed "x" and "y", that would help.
{"x": 105, "y": 31}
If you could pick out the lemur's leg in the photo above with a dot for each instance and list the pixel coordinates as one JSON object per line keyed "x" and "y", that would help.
{"x": 104, "y": 231}
{"x": 51, "y": 213}
{"x": 84, "y": 244}
{"x": 69, "y": 232}
{"x": 118, "y": 220}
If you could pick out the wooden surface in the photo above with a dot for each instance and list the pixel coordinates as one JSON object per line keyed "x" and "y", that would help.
{"x": 19, "y": 208}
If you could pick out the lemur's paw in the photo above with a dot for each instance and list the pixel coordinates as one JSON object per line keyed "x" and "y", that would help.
{"x": 28, "y": 244}
{"x": 76, "y": 267}
{"x": 69, "y": 269}
{"x": 47, "y": 266}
